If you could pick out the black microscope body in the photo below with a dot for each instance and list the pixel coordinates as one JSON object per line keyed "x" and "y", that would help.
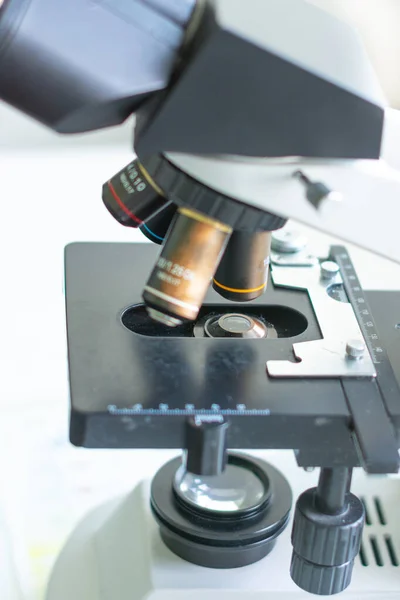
{"x": 136, "y": 383}
{"x": 166, "y": 361}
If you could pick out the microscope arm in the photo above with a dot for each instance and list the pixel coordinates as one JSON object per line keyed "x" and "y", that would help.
{"x": 365, "y": 209}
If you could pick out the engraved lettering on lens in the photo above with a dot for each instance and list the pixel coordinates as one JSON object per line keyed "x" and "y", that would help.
{"x": 132, "y": 197}
{"x": 188, "y": 261}
{"x": 138, "y": 182}
{"x": 126, "y": 185}
{"x": 168, "y": 278}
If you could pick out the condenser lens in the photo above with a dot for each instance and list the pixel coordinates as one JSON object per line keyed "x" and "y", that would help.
{"x": 236, "y": 489}
{"x": 235, "y": 324}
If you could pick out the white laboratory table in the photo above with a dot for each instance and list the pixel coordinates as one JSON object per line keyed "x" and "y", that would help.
{"x": 48, "y": 199}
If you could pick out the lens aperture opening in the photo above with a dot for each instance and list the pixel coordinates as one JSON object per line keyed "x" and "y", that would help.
{"x": 237, "y": 490}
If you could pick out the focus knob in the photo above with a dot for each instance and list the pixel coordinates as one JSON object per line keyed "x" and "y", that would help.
{"x": 325, "y": 545}
{"x": 318, "y": 579}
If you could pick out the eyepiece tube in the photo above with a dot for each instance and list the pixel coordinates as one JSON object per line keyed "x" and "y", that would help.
{"x": 178, "y": 284}
{"x": 243, "y": 271}
{"x": 80, "y": 66}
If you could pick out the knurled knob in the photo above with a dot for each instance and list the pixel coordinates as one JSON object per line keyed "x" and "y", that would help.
{"x": 318, "y": 579}
{"x": 186, "y": 191}
{"x": 325, "y": 545}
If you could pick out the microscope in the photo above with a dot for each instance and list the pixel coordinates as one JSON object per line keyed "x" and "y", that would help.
{"x": 227, "y": 333}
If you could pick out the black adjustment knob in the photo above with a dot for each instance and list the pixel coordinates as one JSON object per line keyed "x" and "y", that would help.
{"x": 320, "y": 580}
{"x": 325, "y": 544}
{"x": 206, "y": 445}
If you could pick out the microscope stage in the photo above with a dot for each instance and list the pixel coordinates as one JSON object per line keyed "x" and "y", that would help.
{"x": 134, "y": 382}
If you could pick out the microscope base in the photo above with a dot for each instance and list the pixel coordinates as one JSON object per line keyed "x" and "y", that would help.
{"x": 116, "y": 553}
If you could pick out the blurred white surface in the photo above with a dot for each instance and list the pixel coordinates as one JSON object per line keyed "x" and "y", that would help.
{"x": 48, "y": 199}
{"x": 9, "y": 584}
{"x": 377, "y": 22}
{"x": 19, "y": 131}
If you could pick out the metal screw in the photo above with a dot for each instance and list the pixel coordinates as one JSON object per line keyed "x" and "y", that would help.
{"x": 355, "y": 349}
{"x": 287, "y": 241}
{"x": 309, "y": 469}
{"x": 397, "y": 326}
{"x": 329, "y": 269}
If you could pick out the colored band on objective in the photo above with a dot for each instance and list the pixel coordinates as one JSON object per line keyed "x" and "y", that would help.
{"x": 193, "y": 214}
{"x": 150, "y": 180}
{"x": 158, "y": 237}
{"x": 122, "y": 205}
{"x": 235, "y": 291}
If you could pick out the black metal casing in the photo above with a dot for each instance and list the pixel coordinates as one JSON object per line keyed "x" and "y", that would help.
{"x": 130, "y": 390}
{"x": 208, "y": 85}
{"x": 80, "y": 66}
{"x": 236, "y": 96}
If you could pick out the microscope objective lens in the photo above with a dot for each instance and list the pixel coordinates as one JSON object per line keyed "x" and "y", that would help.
{"x": 132, "y": 197}
{"x": 243, "y": 271}
{"x": 189, "y": 258}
